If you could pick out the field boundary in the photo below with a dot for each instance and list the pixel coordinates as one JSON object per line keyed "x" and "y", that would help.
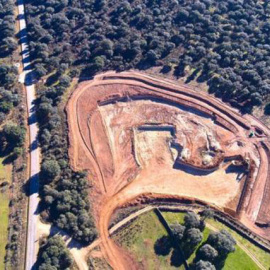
{"x": 178, "y": 206}
{"x": 169, "y": 231}
{"x": 226, "y": 220}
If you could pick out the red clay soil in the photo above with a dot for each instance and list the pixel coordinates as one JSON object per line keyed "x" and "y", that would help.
{"x": 142, "y": 136}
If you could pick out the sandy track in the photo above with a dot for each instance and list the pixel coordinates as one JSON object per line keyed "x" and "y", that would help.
{"x": 256, "y": 198}
{"x": 125, "y": 163}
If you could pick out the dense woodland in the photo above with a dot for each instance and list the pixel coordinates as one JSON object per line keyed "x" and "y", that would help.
{"x": 53, "y": 254}
{"x": 64, "y": 192}
{"x": 12, "y": 133}
{"x": 8, "y": 43}
{"x": 225, "y": 43}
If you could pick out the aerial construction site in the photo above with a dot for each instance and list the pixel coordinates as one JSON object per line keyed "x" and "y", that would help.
{"x": 141, "y": 137}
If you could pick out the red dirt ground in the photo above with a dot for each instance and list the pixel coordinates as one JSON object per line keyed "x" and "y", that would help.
{"x": 141, "y": 136}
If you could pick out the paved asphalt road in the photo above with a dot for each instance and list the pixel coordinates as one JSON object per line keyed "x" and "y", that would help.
{"x": 25, "y": 78}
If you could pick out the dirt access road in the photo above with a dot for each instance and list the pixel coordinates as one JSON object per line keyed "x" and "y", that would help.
{"x": 25, "y": 78}
{"x": 142, "y": 137}
{"x": 80, "y": 253}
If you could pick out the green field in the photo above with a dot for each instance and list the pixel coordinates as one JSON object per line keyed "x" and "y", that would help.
{"x": 260, "y": 254}
{"x": 140, "y": 236}
{"x": 240, "y": 260}
{"x": 173, "y": 217}
{"x": 237, "y": 260}
{"x": 5, "y": 175}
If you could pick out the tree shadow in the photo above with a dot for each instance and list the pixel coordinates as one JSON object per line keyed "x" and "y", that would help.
{"x": 31, "y": 185}
{"x": 267, "y": 109}
{"x": 26, "y": 59}
{"x": 29, "y": 77}
{"x": 4, "y": 54}
{"x": 20, "y": 2}
{"x": 87, "y": 74}
{"x": 204, "y": 77}
{"x": 145, "y": 64}
{"x": 9, "y": 159}
{"x": 220, "y": 262}
{"x": 163, "y": 246}
{"x": 179, "y": 71}
{"x": 188, "y": 251}
{"x": 6, "y": 152}
{"x": 32, "y": 119}
{"x": 34, "y": 145}
{"x": 247, "y": 109}
{"x": 192, "y": 76}
{"x": 177, "y": 258}
{"x": 21, "y": 17}
{"x": 35, "y": 266}
{"x": 165, "y": 69}
{"x": 52, "y": 79}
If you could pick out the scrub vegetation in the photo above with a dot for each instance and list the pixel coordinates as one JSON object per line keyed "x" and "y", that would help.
{"x": 53, "y": 254}
{"x": 13, "y": 156}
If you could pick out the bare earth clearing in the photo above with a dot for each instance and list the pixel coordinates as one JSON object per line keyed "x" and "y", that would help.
{"x": 142, "y": 137}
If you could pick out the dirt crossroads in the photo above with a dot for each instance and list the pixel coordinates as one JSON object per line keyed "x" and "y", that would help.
{"x": 141, "y": 137}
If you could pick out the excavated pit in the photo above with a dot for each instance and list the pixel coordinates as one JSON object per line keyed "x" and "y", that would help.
{"x": 137, "y": 135}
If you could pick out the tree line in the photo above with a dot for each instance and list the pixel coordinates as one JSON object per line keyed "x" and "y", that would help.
{"x": 12, "y": 135}
{"x": 64, "y": 193}
{"x": 211, "y": 254}
{"x": 12, "y": 132}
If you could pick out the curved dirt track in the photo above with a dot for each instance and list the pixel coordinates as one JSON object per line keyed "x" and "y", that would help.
{"x": 140, "y": 136}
